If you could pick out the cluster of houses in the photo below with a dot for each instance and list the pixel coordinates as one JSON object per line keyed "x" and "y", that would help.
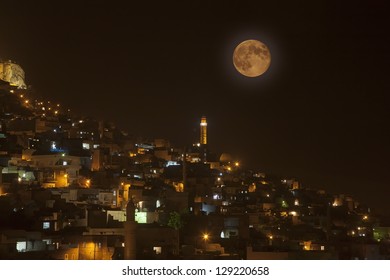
{"x": 66, "y": 182}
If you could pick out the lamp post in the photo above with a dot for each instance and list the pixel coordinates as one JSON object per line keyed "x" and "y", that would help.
{"x": 205, "y": 238}
{"x": 270, "y": 238}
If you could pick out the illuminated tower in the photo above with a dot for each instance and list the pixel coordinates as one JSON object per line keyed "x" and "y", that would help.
{"x": 203, "y": 131}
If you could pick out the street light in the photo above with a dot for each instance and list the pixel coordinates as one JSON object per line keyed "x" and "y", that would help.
{"x": 205, "y": 238}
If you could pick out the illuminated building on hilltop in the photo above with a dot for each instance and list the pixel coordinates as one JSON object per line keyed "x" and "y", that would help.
{"x": 12, "y": 73}
{"x": 203, "y": 131}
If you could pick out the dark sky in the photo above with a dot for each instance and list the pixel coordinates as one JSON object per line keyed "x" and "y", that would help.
{"x": 321, "y": 112}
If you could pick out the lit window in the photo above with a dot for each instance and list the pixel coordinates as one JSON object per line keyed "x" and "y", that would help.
{"x": 21, "y": 246}
{"x": 157, "y": 250}
{"x": 46, "y": 225}
{"x": 293, "y": 213}
{"x": 86, "y": 146}
{"x": 141, "y": 217}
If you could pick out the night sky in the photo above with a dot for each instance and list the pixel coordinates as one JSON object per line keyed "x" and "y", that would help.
{"x": 320, "y": 113}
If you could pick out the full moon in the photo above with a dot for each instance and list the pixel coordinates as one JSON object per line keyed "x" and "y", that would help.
{"x": 251, "y": 58}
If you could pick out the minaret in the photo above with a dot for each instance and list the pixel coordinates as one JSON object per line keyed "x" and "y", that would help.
{"x": 130, "y": 231}
{"x": 203, "y": 131}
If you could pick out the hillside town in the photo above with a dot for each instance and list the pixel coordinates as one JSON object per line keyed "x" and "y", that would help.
{"x": 78, "y": 188}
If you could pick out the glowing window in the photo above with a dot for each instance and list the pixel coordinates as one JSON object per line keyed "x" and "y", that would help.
{"x": 46, "y": 225}
{"x": 86, "y": 146}
{"x": 21, "y": 246}
{"x": 157, "y": 250}
{"x": 141, "y": 217}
